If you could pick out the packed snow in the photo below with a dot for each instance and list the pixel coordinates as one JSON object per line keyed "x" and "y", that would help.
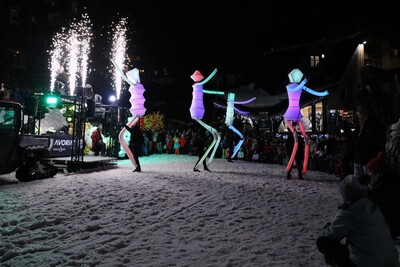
{"x": 240, "y": 214}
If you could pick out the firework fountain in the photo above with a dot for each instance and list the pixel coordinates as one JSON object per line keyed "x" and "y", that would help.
{"x": 57, "y": 57}
{"x": 71, "y": 48}
{"x": 118, "y": 50}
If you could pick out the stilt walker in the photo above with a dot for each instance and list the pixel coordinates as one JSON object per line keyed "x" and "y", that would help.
{"x": 137, "y": 109}
{"x": 197, "y": 112}
{"x": 293, "y": 114}
{"x": 230, "y": 110}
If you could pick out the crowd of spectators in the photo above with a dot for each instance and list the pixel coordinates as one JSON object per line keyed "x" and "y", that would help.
{"x": 330, "y": 153}
{"x": 16, "y": 94}
{"x": 334, "y": 153}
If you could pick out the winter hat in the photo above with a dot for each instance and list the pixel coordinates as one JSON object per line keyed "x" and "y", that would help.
{"x": 377, "y": 164}
{"x": 351, "y": 189}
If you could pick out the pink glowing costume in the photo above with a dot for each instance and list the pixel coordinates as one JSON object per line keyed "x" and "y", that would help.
{"x": 197, "y": 112}
{"x": 137, "y": 109}
{"x": 293, "y": 113}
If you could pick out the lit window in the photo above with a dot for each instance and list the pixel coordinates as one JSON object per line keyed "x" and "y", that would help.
{"x": 314, "y": 61}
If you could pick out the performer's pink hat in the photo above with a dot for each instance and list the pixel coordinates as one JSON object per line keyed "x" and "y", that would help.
{"x": 197, "y": 76}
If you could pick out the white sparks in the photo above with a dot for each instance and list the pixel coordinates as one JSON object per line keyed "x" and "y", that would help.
{"x": 73, "y": 60}
{"x": 118, "y": 51}
{"x": 56, "y": 58}
{"x": 86, "y": 37}
{"x": 71, "y": 49}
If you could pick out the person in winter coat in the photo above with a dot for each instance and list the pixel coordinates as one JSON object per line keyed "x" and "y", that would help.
{"x": 240, "y": 154}
{"x": 344, "y": 167}
{"x": 98, "y": 146}
{"x": 384, "y": 185}
{"x": 358, "y": 235}
{"x": 371, "y": 137}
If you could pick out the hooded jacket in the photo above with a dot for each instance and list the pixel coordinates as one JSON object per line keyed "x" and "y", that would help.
{"x": 367, "y": 235}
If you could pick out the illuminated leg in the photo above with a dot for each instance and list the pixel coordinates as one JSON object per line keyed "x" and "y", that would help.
{"x": 216, "y": 141}
{"x": 123, "y": 143}
{"x": 208, "y": 128}
{"x": 306, "y": 147}
{"x": 296, "y": 143}
{"x": 239, "y": 144}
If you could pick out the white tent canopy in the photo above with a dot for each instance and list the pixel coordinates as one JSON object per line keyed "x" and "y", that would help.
{"x": 263, "y": 99}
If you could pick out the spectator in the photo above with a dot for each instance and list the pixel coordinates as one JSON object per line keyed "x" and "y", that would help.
{"x": 392, "y": 149}
{"x": 2, "y": 90}
{"x": 145, "y": 151}
{"x": 313, "y": 154}
{"x": 256, "y": 156}
{"x": 371, "y": 137}
{"x": 17, "y": 95}
{"x": 177, "y": 145}
{"x": 361, "y": 224}
{"x": 98, "y": 145}
{"x": 344, "y": 166}
{"x": 159, "y": 144}
{"x": 384, "y": 184}
{"x": 224, "y": 147}
{"x": 240, "y": 154}
{"x": 154, "y": 143}
{"x": 7, "y": 94}
{"x": 331, "y": 152}
{"x": 182, "y": 143}
{"x": 170, "y": 146}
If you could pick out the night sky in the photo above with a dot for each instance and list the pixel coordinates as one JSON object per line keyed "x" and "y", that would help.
{"x": 241, "y": 37}
{"x": 172, "y": 31}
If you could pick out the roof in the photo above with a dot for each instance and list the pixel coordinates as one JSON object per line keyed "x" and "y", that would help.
{"x": 263, "y": 99}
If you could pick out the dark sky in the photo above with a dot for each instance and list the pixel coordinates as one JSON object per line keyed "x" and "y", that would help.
{"x": 183, "y": 33}
{"x": 179, "y": 29}
{"x": 184, "y": 36}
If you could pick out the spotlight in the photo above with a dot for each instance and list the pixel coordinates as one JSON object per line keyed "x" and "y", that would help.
{"x": 112, "y": 98}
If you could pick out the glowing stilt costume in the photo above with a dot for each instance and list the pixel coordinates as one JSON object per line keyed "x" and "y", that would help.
{"x": 293, "y": 113}
{"x": 197, "y": 112}
{"x": 230, "y": 110}
{"x": 137, "y": 109}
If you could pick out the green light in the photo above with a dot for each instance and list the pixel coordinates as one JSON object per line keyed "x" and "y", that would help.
{"x": 51, "y": 101}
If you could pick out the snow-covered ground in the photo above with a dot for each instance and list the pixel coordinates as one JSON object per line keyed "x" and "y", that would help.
{"x": 240, "y": 214}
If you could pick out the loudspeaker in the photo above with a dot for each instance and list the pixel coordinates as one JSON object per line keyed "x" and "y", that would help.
{"x": 31, "y": 106}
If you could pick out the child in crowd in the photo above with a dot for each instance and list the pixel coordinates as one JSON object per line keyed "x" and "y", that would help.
{"x": 240, "y": 154}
